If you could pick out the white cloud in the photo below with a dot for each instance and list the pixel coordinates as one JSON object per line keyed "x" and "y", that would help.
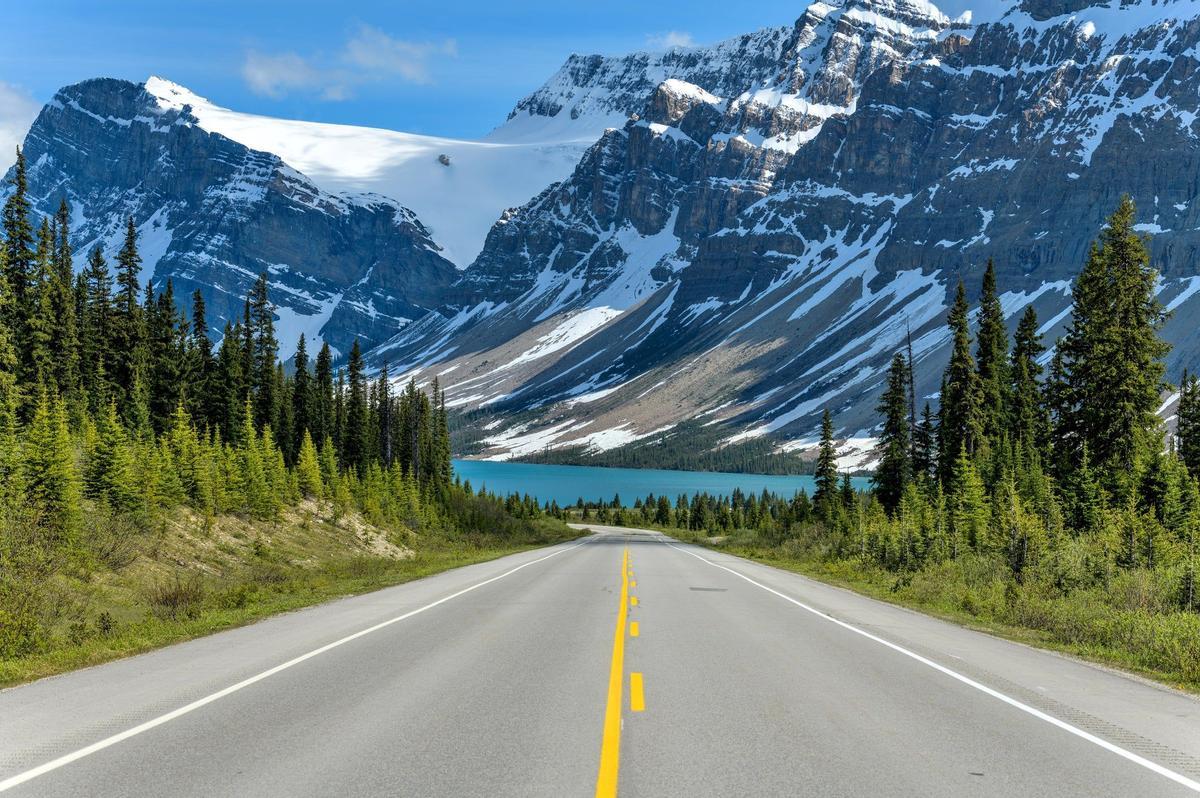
{"x": 17, "y": 111}
{"x": 275, "y": 75}
{"x": 378, "y": 54}
{"x": 369, "y": 55}
{"x": 672, "y": 38}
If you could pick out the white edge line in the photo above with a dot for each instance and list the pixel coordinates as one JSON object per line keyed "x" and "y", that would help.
{"x": 1178, "y": 778}
{"x": 100, "y": 745}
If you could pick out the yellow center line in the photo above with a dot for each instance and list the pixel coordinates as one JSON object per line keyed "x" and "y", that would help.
{"x": 637, "y": 697}
{"x": 610, "y": 748}
{"x": 633, "y": 629}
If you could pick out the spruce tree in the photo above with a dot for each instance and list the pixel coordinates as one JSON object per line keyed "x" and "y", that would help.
{"x": 96, "y": 355}
{"x": 18, "y": 254}
{"x": 1112, "y": 354}
{"x": 1187, "y": 429}
{"x": 37, "y": 361}
{"x": 49, "y": 481}
{"x": 925, "y": 446}
{"x": 264, "y": 351}
{"x": 204, "y": 395}
{"x": 354, "y": 444}
{"x": 894, "y": 470}
{"x": 826, "y": 474}
{"x": 302, "y": 395}
{"x": 1028, "y": 415}
{"x": 322, "y": 397}
{"x": 992, "y": 360}
{"x": 308, "y": 469}
{"x": 128, "y": 330}
{"x": 65, "y": 333}
{"x": 960, "y": 424}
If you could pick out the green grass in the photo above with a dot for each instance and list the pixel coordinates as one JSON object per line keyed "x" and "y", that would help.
{"x": 1160, "y": 645}
{"x": 228, "y": 584}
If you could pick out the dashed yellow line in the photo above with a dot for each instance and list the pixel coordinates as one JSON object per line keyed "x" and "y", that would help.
{"x": 633, "y": 628}
{"x": 610, "y": 747}
{"x": 633, "y": 601}
{"x": 637, "y": 695}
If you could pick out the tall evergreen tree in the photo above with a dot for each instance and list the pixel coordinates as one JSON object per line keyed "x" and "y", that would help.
{"x": 826, "y": 473}
{"x": 1028, "y": 416}
{"x": 263, "y": 355}
{"x": 18, "y": 256}
{"x": 322, "y": 397}
{"x": 992, "y": 360}
{"x": 960, "y": 424}
{"x": 1187, "y": 429}
{"x": 128, "y": 327}
{"x": 302, "y": 396}
{"x": 355, "y": 442}
{"x": 894, "y": 470}
{"x": 204, "y": 397}
{"x": 925, "y": 446}
{"x": 1112, "y": 354}
{"x": 65, "y": 334}
{"x": 96, "y": 332}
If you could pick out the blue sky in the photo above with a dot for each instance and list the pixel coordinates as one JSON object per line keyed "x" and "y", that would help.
{"x": 447, "y": 68}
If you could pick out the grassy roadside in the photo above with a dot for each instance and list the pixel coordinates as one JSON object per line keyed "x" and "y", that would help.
{"x": 1163, "y": 648}
{"x": 193, "y": 578}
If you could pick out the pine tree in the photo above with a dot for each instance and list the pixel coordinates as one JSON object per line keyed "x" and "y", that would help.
{"x": 1112, "y": 355}
{"x": 164, "y": 356}
{"x": 128, "y": 330}
{"x": 925, "y": 446}
{"x": 264, "y": 351}
{"x": 302, "y": 396}
{"x": 960, "y": 424}
{"x": 992, "y": 360}
{"x": 204, "y": 395}
{"x": 37, "y": 361}
{"x": 355, "y": 443}
{"x": 308, "y": 469}
{"x": 96, "y": 332}
{"x": 968, "y": 504}
{"x": 18, "y": 258}
{"x": 51, "y": 486}
{"x": 322, "y": 397}
{"x": 1187, "y": 428}
{"x": 65, "y": 332}
{"x": 826, "y": 474}
{"x": 1028, "y": 415}
{"x": 894, "y": 470}
{"x": 229, "y": 385}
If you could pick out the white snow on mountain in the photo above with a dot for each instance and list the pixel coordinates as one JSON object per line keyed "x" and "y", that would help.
{"x": 458, "y": 197}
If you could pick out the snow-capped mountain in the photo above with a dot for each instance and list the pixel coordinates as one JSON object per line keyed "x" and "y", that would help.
{"x": 457, "y": 188}
{"x": 759, "y": 240}
{"x": 737, "y": 235}
{"x": 213, "y": 214}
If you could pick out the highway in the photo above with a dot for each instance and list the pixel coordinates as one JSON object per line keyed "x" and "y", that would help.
{"x": 624, "y": 661}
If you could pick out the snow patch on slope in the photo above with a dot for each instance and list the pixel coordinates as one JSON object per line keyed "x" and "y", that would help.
{"x": 458, "y": 201}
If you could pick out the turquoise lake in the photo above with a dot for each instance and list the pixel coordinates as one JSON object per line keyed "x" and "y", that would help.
{"x": 565, "y": 484}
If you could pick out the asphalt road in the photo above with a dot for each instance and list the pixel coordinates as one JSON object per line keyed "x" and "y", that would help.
{"x": 522, "y": 677}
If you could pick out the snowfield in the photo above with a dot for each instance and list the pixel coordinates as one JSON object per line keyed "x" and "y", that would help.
{"x": 458, "y": 201}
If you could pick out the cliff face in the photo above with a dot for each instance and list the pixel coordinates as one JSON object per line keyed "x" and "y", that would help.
{"x": 756, "y": 242}
{"x": 213, "y": 214}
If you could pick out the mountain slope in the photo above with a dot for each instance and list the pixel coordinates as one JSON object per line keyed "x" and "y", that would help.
{"x": 213, "y": 214}
{"x": 755, "y": 245}
{"x": 458, "y": 201}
